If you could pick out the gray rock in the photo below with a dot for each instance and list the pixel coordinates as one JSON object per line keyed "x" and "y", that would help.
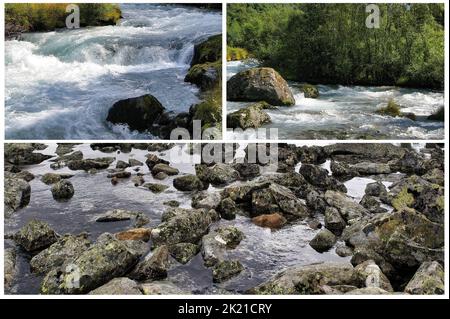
{"x": 205, "y": 199}
{"x": 429, "y": 279}
{"x": 35, "y": 236}
{"x": 121, "y": 164}
{"x": 251, "y": 116}
{"x": 323, "y": 241}
{"x": 319, "y": 177}
{"x": 17, "y": 194}
{"x": 334, "y": 221}
{"x": 162, "y": 288}
{"x": 189, "y": 183}
{"x": 118, "y": 286}
{"x": 63, "y": 190}
{"x": 216, "y": 243}
{"x": 226, "y": 269}
{"x": 372, "y": 276}
{"x": 184, "y": 252}
{"x": 161, "y": 167}
{"x": 10, "y": 269}
{"x": 348, "y": 209}
{"x": 153, "y": 267}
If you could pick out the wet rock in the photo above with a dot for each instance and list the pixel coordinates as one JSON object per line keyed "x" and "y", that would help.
{"x": 247, "y": 170}
{"x": 316, "y": 202}
{"x": 182, "y": 226}
{"x": 118, "y": 286}
{"x": 153, "y": 159}
{"x": 122, "y": 165}
{"x": 60, "y": 253}
{"x": 184, "y": 252}
{"x": 428, "y": 280}
{"x": 65, "y": 148}
{"x": 35, "y": 236}
{"x": 88, "y": 164}
{"x": 206, "y": 75}
{"x": 347, "y": 208}
{"x": 372, "y": 204}
{"x": 106, "y": 259}
{"x": 161, "y": 176}
{"x": 435, "y": 176}
{"x": 308, "y": 279}
{"x": 165, "y": 168}
{"x": 9, "y": 267}
{"x": 342, "y": 170}
{"x": 376, "y": 189}
{"x": 312, "y": 154}
{"x": 272, "y": 221}
{"x": 296, "y": 183}
{"x": 259, "y": 84}
{"x": 343, "y": 251}
{"x": 51, "y": 178}
{"x": 137, "y": 180}
{"x": 227, "y": 209}
{"x": 134, "y": 162}
{"x": 162, "y": 288}
{"x": 310, "y": 91}
{"x": 172, "y": 203}
{"x": 437, "y": 116}
{"x": 319, "y": 177}
{"x": 359, "y": 152}
{"x": 63, "y": 160}
{"x": 116, "y": 215}
{"x": 143, "y": 234}
{"x": 277, "y": 199}
{"x": 216, "y": 243}
{"x": 25, "y": 175}
{"x": 63, "y": 190}
{"x": 155, "y": 188}
{"x": 314, "y": 224}
{"x": 369, "y": 168}
{"x": 252, "y": 116}
{"x": 218, "y": 174}
{"x": 226, "y": 269}
{"x": 334, "y": 221}
{"x": 189, "y": 183}
{"x": 372, "y": 276}
{"x": 153, "y": 267}
{"x": 119, "y": 174}
{"x": 23, "y": 153}
{"x": 323, "y": 241}
{"x": 208, "y": 200}
{"x": 139, "y": 113}
{"x": 209, "y": 50}
{"x": 17, "y": 194}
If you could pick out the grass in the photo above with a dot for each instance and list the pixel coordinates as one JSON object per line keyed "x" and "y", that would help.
{"x": 392, "y": 109}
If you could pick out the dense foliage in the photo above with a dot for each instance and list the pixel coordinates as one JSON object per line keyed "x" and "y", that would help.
{"x": 330, "y": 43}
{"x": 23, "y": 17}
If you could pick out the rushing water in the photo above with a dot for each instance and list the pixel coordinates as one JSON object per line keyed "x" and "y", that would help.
{"x": 262, "y": 252}
{"x": 348, "y": 112}
{"x": 60, "y": 85}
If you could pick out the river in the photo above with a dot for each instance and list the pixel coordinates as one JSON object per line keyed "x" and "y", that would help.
{"x": 60, "y": 85}
{"x": 348, "y": 112}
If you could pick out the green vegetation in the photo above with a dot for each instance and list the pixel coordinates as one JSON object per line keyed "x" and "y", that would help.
{"x": 330, "y": 43}
{"x": 235, "y": 54}
{"x": 209, "y": 111}
{"x": 403, "y": 199}
{"x": 28, "y": 17}
{"x": 392, "y": 109}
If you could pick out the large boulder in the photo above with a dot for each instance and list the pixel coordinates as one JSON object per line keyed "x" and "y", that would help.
{"x": 118, "y": 286}
{"x": 259, "y": 84}
{"x": 17, "y": 194}
{"x": 62, "y": 252}
{"x": 209, "y": 50}
{"x": 90, "y": 163}
{"x": 206, "y": 75}
{"x": 251, "y": 116}
{"x": 35, "y": 236}
{"x": 189, "y": 183}
{"x": 429, "y": 279}
{"x": 309, "y": 279}
{"x": 218, "y": 174}
{"x": 24, "y": 153}
{"x": 323, "y": 241}
{"x": 139, "y": 113}
{"x": 106, "y": 259}
{"x": 347, "y": 207}
{"x": 181, "y": 225}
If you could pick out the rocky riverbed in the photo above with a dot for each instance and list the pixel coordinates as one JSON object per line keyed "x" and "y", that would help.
{"x": 152, "y": 219}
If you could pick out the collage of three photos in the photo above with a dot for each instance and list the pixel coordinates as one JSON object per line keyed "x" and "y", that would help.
{"x": 345, "y": 195}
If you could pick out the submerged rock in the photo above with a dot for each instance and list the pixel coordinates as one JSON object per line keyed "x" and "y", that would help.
{"x": 106, "y": 259}
{"x": 428, "y": 280}
{"x": 35, "y": 236}
{"x": 259, "y": 84}
{"x": 118, "y": 286}
{"x": 62, "y": 252}
{"x": 139, "y": 113}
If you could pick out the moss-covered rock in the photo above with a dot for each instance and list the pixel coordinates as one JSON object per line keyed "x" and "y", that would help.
{"x": 259, "y": 84}
{"x": 118, "y": 286}
{"x": 153, "y": 267}
{"x": 208, "y": 51}
{"x": 207, "y": 75}
{"x": 310, "y": 91}
{"x": 391, "y": 109}
{"x": 226, "y": 269}
{"x": 17, "y": 193}
{"x": 237, "y": 54}
{"x": 62, "y": 190}
{"x": 189, "y": 183}
{"x": 323, "y": 241}
{"x": 35, "y": 236}
{"x": 428, "y": 280}
{"x": 216, "y": 243}
{"x": 184, "y": 252}
{"x": 155, "y": 188}
{"x": 251, "y": 116}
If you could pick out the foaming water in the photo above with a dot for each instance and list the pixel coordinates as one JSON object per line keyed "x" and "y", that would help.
{"x": 346, "y": 112}
{"x": 60, "y": 85}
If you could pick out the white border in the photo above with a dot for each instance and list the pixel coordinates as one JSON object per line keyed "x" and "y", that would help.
{"x": 231, "y": 297}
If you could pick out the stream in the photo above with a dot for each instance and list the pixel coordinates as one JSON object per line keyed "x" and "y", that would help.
{"x": 60, "y": 85}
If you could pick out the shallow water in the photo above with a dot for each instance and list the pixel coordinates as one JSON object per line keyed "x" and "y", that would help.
{"x": 262, "y": 252}
{"x": 348, "y": 112}
{"x": 60, "y": 85}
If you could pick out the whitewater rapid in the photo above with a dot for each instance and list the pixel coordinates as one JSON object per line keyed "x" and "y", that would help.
{"x": 349, "y": 112}
{"x": 60, "y": 85}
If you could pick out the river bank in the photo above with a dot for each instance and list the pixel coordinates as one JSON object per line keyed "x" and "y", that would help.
{"x": 202, "y": 231}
